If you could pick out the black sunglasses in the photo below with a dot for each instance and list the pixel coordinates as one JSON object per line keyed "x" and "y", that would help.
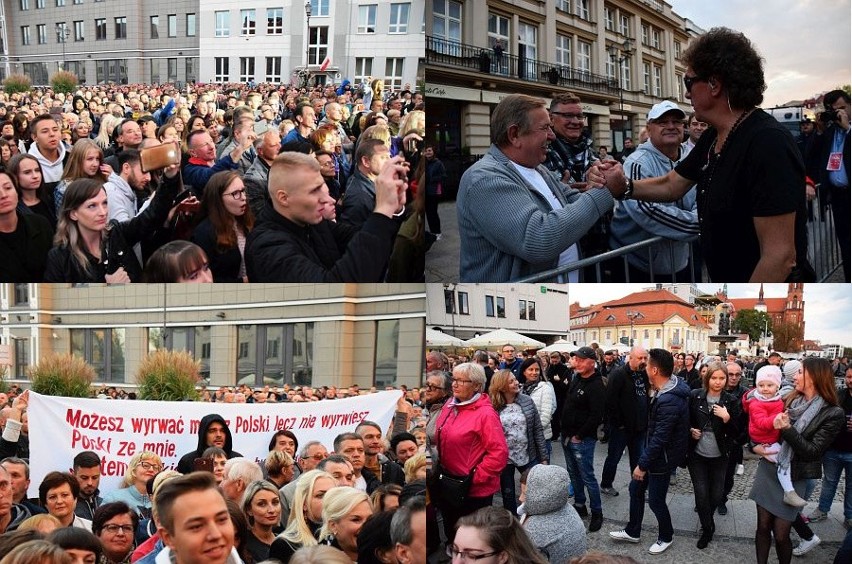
{"x": 688, "y": 81}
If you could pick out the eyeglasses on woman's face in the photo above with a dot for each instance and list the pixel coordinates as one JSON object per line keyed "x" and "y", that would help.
{"x": 236, "y": 194}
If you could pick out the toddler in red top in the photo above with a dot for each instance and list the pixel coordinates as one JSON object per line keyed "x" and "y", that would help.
{"x": 762, "y": 405}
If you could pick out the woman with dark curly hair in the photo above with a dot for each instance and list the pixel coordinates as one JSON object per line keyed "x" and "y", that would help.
{"x": 746, "y": 168}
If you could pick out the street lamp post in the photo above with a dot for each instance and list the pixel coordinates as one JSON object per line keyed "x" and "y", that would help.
{"x": 62, "y": 34}
{"x": 307, "y": 74}
{"x": 621, "y": 54}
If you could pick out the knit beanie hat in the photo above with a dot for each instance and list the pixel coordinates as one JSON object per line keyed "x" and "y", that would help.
{"x": 769, "y": 372}
{"x": 791, "y": 367}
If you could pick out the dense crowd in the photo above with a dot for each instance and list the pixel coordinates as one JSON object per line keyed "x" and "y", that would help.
{"x": 362, "y": 502}
{"x": 225, "y": 183}
{"x": 494, "y": 417}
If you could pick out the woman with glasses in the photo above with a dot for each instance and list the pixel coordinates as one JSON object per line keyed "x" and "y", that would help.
{"x": 222, "y": 234}
{"x": 492, "y": 535}
{"x": 115, "y": 525}
{"x": 470, "y": 444}
{"x": 134, "y": 490}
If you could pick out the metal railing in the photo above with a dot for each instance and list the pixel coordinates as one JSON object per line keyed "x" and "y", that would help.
{"x": 486, "y": 61}
{"x": 823, "y": 253}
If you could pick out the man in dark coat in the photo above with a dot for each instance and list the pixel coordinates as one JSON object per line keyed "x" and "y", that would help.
{"x": 213, "y": 431}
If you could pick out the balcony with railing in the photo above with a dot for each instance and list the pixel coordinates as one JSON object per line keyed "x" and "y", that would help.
{"x": 485, "y": 61}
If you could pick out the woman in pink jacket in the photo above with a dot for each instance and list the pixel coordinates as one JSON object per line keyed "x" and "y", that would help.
{"x": 469, "y": 439}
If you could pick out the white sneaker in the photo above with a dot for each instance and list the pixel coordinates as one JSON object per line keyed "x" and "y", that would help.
{"x": 806, "y": 545}
{"x": 623, "y": 536}
{"x": 740, "y": 469}
{"x": 660, "y": 547}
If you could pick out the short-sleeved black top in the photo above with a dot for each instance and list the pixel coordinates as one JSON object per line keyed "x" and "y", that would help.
{"x": 760, "y": 173}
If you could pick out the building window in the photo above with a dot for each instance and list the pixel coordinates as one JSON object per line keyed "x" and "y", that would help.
{"x": 103, "y": 349}
{"x": 274, "y": 21}
{"x": 363, "y": 69}
{"x": 100, "y": 29}
{"x": 644, "y": 34}
{"x": 646, "y": 78}
{"x": 246, "y": 69}
{"x": 121, "y": 27}
{"x": 37, "y": 72}
{"x": 194, "y": 340}
{"x": 273, "y": 69}
{"x": 646, "y": 334}
{"x": 655, "y": 38}
{"x": 658, "y": 81}
{"x": 62, "y": 32}
{"x": 249, "y": 23}
{"x": 527, "y": 48}
{"x": 387, "y": 353}
{"x": 446, "y": 25}
{"x": 60, "y": 3}
{"x": 223, "y": 24}
{"x": 625, "y": 75}
{"x": 171, "y": 21}
{"x": 78, "y": 2}
{"x": 393, "y": 72}
{"x": 155, "y": 27}
{"x": 679, "y": 86}
{"x": 563, "y": 5}
{"x": 25, "y": 4}
{"x": 41, "y": 29}
{"x": 22, "y": 357}
{"x": 25, "y": 35}
{"x": 489, "y": 306}
{"x": 367, "y": 18}
{"x": 583, "y": 9}
{"x": 464, "y": 307}
{"x": 191, "y": 69}
{"x": 399, "y": 18}
{"x": 610, "y": 66}
{"x": 79, "y": 30}
{"x": 449, "y": 301}
{"x": 522, "y": 309}
{"x": 563, "y": 50}
{"x": 498, "y": 31}
{"x": 190, "y": 25}
{"x": 609, "y": 18}
{"x": 39, "y": 4}
{"x": 318, "y": 47}
{"x": 114, "y": 70}
{"x": 155, "y": 71}
{"x": 22, "y": 294}
{"x": 584, "y": 56}
{"x": 275, "y": 354}
{"x": 609, "y": 335}
{"x": 677, "y": 49}
{"x": 501, "y": 307}
{"x": 531, "y": 310}
{"x": 171, "y": 70}
{"x": 658, "y": 333}
{"x": 319, "y": 8}
{"x": 223, "y": 69}
{"x": 624, "y": 25}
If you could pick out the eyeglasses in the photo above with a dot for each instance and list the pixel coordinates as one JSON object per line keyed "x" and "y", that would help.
{"x": 569, "y": 117}
{"x": 236, "y": 194}
{"x": 432, "y": 388}
{"x": 150, "y": 466}
{"x": 460, "y": 382}
{"x": 454, "y": 552}
{"x": 115, "y": 529}
{"x": 688, "y": 81}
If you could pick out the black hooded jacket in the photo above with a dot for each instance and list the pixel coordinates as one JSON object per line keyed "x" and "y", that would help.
{"x": 185, "y": 466}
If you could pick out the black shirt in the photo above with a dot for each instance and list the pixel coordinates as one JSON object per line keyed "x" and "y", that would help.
{"x": 760, "y": 173}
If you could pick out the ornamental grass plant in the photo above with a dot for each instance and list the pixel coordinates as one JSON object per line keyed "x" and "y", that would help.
{"x": 168, "y": 376}
{"x": 62, "y": 375}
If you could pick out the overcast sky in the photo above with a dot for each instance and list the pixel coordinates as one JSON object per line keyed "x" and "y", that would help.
{"x": 805, "y": 43}
{"x": 827, "y": 306}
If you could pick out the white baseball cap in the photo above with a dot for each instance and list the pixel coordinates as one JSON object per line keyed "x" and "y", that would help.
{"x": 663, "y": 107}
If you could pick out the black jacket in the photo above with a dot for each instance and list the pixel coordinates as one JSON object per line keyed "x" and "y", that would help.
{"x": 820, "y": 151}
{"x": 278, "y": 250}
{"x": 28, "y": 263}
{"x": 809, "y": 446}
{"x": 584, "y": 407}
{"x": 668, "y": 429}
{"x": 699, "y": 413}
{"x": 224, "y": 263}
{"x": 185, "y": 465}
{"x": 118, "y": 243}
{"x": 86, "y": 507}
{"x": 622, "y": 406}
{"x": 392, "y": 473}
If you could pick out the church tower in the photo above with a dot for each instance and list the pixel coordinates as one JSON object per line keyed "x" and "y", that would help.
{"x": 760, "y": 305}
{"x": 795, "y": 310}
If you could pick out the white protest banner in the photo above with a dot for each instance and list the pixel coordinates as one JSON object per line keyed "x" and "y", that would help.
{"x": 116, "y": 430}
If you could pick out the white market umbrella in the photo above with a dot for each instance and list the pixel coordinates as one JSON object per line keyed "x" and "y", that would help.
{"x": 439, "y": 340}
{"x": 502, "y": 337}
{"x": 560, "y": 346}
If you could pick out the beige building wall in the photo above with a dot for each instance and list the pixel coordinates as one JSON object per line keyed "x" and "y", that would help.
{"x": 345, "y": 319}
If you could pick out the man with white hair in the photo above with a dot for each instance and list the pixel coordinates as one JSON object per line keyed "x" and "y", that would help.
{"x": 239, "y": 473}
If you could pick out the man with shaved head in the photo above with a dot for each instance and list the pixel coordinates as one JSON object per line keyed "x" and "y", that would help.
{"x": 292, "y": 242}
{"x": 627, "y": 407}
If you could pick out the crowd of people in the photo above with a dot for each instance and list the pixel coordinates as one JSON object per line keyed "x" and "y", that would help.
{"x": 224, "y": 183}
{"x": 489, "y": 417}
{"x": 726, "y": 177}
{"x": 362, "y": 501}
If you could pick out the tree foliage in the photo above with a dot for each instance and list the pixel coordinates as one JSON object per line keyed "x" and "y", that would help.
{"x": 788, "y": 336}
{"x": 753, "y": 323}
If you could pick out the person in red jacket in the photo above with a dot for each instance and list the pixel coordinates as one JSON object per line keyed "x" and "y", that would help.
{"x": 468, "y": 437}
